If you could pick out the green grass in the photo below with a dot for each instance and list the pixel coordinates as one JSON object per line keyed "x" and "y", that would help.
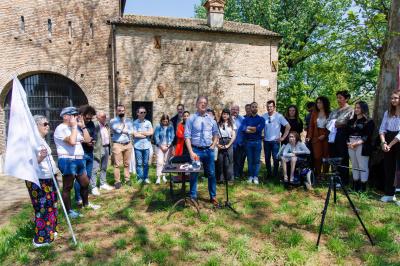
{"x": 274, "y": 227}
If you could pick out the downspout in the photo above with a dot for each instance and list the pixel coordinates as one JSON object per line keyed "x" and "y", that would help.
{"x": 114, "y": 67}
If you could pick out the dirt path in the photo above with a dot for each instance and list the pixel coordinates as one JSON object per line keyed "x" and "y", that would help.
{"x": 14, "y": 193}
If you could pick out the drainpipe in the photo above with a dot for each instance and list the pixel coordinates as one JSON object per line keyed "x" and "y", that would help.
{"x": 114, "y": 67}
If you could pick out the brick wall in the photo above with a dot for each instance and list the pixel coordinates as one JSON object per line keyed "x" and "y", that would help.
{"x": 73, "y": 50}
{"x": 228, "y": 68}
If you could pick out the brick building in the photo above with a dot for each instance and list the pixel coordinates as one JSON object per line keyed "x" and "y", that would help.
{"x": 76, "y": 52}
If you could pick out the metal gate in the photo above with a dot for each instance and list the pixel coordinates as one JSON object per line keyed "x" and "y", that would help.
{"x": 47, "y": 95}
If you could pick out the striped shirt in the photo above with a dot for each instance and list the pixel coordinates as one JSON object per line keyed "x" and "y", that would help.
{"x": 389, "y": 123}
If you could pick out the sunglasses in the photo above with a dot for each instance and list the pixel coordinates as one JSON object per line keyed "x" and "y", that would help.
{"x": 45, "y": 124}
{"x": 269, "y": 120}
{"x": 142, "y": 113}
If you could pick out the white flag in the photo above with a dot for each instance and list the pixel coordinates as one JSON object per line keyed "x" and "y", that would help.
{"x": 23, "y": 139}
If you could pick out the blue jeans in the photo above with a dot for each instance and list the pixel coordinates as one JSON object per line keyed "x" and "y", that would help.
{"x": 207, "y": 159}
{"x": 88, "y": 162}
{"x": 271, "y": 148}
{"x": 142, "y": 163}
{"x": 253, "y": 152}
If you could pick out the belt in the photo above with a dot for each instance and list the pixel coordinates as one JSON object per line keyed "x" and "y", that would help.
{"x": 76, "y": 157}
{"x": 108, "y": 145}
{"x": 122, "y": 143}
{"x": 201, "y": 147}
{"x": 355, "y": 137}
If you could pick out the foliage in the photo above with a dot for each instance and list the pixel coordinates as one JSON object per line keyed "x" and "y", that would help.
{"x": 327, "y": 45}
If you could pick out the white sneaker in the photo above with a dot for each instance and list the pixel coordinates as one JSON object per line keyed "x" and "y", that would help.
{"x": 147, "y": 181}
{"x": 106, "y": 187}
{"x": 338, "y": 185}
{"x": 250, "y": 180}
{"x": 255, "y": 180}
{"x": 388, "y": 198}
{"x": 93, "y": 206}
{"x": 73, "y": 214}
{"x": 398, "y": 203}
{"x": 36, "y": 245}
{"x": 397, "y": 190}
{"x": 95, "y": 191}
{"x": 158, "y": 180}
{"x": 140, "y": 181}
{"x": 164, "y": 179}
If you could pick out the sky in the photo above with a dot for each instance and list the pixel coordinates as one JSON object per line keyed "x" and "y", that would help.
{"x": 168, "y": 8}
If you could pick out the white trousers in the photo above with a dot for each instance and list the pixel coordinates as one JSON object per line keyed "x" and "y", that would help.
{"x": 360, "y": 162}
{"x": 162, "y": 157}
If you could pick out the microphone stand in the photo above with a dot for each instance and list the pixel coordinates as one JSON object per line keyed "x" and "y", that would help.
{"x": 227, "y": 203}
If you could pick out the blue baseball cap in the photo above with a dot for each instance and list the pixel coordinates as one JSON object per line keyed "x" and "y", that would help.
{"x": 69, "y": 111}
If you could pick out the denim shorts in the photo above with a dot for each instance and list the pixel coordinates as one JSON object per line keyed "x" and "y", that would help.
{"x": 71, "y": 166}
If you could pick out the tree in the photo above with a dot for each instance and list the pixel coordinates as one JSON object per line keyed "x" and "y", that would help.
{"x": 390, "y": 59}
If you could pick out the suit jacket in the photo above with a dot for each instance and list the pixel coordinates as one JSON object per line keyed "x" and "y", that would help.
{"x": 98, "y": 147}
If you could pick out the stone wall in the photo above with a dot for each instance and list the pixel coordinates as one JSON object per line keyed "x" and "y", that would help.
{"x": 228, "y": 68}
{"x": 78, "y": 47}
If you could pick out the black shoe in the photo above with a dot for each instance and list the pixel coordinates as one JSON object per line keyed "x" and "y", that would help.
{"x": 117, "y": 185}
{"x": 363, "y": 187}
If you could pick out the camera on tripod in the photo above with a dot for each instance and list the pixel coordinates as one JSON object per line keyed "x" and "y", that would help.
{"x": 332, "y": 161}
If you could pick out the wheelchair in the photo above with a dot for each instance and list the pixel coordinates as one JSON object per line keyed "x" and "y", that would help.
{"x": 303, "y": 173}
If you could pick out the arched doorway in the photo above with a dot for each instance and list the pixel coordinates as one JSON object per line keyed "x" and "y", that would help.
{"x": 48, "y": 94}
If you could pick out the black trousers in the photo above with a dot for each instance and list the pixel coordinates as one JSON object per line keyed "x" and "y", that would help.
{"x": 390, "y": 160}
{"x": 339, "y": 149}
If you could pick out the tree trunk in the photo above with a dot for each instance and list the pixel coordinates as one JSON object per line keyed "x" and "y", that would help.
{"x": 390, "y": 59}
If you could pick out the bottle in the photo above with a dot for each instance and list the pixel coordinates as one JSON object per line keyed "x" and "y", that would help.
{"x": 196, "y": 162}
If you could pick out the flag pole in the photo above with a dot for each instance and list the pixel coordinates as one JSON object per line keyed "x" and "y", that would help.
{"x": 61, "y": 200}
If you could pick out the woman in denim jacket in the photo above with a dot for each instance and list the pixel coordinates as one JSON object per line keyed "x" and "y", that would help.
{"x": 163, "y": 137}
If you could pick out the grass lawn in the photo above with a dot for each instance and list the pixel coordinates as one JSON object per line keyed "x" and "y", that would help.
{"x": 275, "y": 227}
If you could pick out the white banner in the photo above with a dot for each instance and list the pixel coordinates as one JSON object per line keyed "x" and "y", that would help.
{"x": 23, "y": 139}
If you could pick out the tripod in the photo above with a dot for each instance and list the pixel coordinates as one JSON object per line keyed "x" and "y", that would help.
{"x": 334, "y": 180}
{"x": 227, "y": 203}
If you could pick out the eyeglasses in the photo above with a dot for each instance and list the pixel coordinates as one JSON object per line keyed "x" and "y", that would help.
{"x": 45, "y": 124}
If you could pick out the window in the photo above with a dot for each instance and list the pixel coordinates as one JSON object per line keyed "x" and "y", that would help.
{"x": 70, "y": 29}
{"x": 91, "y": 31}
{"x": 49, "y": 27}
{"x": 22, "y": 25}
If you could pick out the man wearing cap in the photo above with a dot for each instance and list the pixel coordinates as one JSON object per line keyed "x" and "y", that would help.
{"x": 68, "y": 137}
{"x": 122, "y": 148}
{"x": 201, "y": 137}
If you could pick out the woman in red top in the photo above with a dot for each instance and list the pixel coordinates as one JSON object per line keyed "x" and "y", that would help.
{"x": 180, "y": 148}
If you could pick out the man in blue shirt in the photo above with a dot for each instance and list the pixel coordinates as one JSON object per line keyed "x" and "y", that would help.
{"x": 142, "y": 131}
{"x": 201, "y": 137}
{"x": 239, "y": 152}
{"x": 122, "y": 148}
{"x": 252, "y": 127}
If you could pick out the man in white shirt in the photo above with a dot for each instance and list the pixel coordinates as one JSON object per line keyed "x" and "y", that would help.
{"x": 68, "y": 137}
{"x": 272, "y": 136}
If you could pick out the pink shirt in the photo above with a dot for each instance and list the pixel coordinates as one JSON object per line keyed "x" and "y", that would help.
{"x": 105, "y": 136}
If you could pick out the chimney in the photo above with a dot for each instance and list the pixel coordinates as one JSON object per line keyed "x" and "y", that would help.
{"x": 215, "y": 13}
